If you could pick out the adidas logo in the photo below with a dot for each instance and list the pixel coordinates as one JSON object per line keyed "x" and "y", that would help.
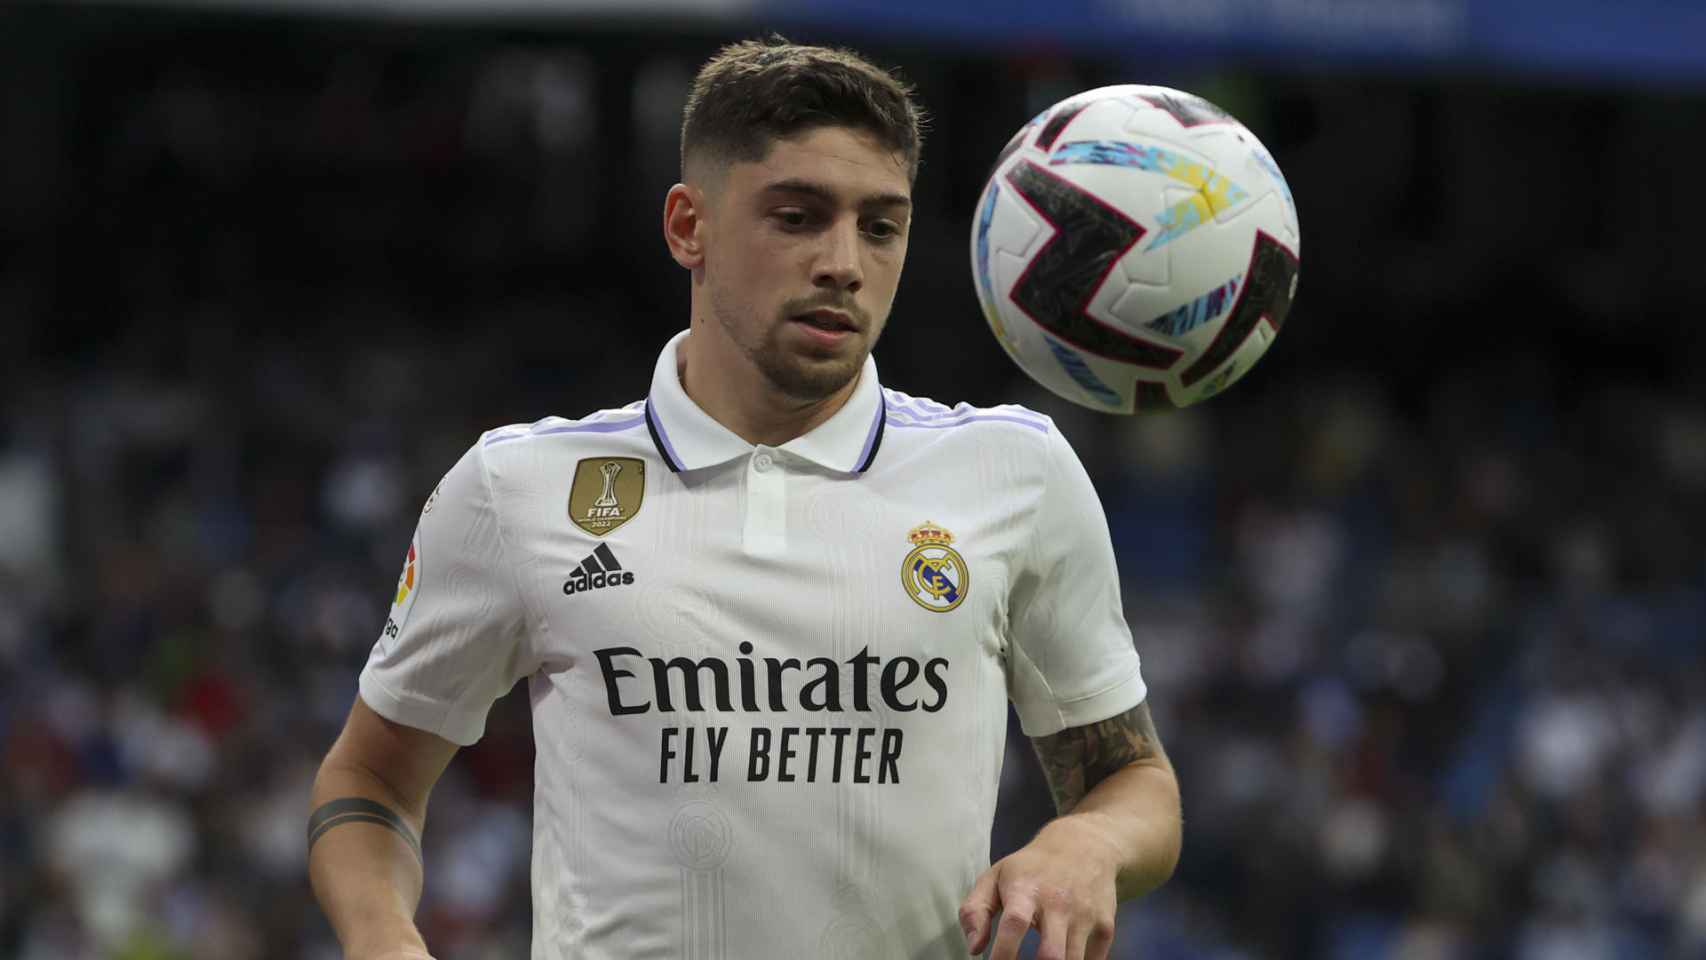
{"x": 596, "y": 572}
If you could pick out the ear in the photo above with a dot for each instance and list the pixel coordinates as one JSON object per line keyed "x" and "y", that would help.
{"x": 683, "y": 219}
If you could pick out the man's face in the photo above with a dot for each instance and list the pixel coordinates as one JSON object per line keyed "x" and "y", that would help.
{"x": 803, "y": 252}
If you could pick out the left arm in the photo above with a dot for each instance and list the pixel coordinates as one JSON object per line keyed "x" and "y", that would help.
{"x": 1117, "y": 837}
{"x": 1118, "y": 830}
{"x": 1114, "y": 775}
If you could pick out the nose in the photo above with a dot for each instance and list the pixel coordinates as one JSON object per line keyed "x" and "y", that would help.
{"x": 838, "y": 266}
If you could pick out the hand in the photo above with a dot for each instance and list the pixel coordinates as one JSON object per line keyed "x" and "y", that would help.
{"x": 1062, "y": 883}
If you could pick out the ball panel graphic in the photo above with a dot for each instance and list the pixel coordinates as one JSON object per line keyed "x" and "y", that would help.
{"x": 1135, "y": 248}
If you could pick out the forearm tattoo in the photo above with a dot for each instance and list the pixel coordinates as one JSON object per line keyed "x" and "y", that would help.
{"x": 359, "y": 810}
{"x": 1078, "y": 758}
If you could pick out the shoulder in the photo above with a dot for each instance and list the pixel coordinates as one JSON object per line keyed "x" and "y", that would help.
{"x": 921, "y": 419}
{"x": 1008, "y": 444}
{"x": 519, "y": 450}
{"x": 611, "y": 422}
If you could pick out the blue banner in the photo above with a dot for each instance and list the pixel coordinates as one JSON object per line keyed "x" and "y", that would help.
{"x": 1641, "y": 40}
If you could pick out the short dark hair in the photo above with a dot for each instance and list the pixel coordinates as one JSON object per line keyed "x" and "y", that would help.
{"x": 756, "y": 91}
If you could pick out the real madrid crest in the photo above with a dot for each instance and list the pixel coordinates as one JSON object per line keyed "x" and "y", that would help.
{"x": 606, "y": 493}
{"x": 934, "y": 574}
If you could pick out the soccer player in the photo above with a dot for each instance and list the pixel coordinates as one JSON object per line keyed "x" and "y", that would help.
{"x": 770, "y": 616}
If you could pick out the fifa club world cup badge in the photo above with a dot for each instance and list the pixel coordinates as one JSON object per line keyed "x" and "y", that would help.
{"x": 606, "y": 493}
{"x": 934, "y": 574}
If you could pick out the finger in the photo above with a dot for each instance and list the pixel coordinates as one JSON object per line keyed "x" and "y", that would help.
{"x": 976, "y": 909}
{"x": 1101, "y": 941}
{"x": 1056, "y": 927}
{"x": 1077, "y": 942}
{"x": 1017, "y": 913}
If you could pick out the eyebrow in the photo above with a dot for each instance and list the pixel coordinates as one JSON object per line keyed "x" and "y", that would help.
{"x": 821, "y": 192}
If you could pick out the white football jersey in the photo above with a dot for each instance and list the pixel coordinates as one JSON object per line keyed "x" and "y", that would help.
{"x": 769, "y": 684}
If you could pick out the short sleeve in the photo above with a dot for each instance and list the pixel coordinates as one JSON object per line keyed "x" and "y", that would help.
{"x": 1071, "y": 658}
{"x": 456, "y": 637}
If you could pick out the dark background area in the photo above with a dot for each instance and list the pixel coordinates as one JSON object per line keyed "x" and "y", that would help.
{"x": 1421, "y": 601}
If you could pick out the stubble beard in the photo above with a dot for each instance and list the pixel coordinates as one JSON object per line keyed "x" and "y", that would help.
{"x": 797, "y": 376}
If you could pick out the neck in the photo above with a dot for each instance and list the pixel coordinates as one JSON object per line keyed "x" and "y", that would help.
{"x": 726, "y": 385}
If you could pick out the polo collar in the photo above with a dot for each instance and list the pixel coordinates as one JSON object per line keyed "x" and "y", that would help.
{"x": 688, "y": 439}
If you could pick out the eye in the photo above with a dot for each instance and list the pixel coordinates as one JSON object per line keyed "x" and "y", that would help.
{"x": 792, "y": 218}
{"x": 884, "y": 230}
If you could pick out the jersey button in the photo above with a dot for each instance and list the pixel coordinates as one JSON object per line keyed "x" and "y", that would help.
{"x": 762, "y": 462}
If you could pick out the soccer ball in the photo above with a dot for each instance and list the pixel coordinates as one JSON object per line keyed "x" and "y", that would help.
{"x": 1135, "y": 248}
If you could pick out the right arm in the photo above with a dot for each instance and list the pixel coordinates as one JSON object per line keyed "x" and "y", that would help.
{"x": 454, "y": 642}
{"x": 369, "y": 807}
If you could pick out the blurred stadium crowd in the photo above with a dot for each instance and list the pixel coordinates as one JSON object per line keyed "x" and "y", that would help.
{"x": 1423, "y": 638}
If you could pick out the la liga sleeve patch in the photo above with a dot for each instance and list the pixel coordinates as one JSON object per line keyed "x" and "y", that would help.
{"x": 408, "y": 586}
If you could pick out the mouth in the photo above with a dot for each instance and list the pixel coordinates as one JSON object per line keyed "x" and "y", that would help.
{"x": 827, "y": 321}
